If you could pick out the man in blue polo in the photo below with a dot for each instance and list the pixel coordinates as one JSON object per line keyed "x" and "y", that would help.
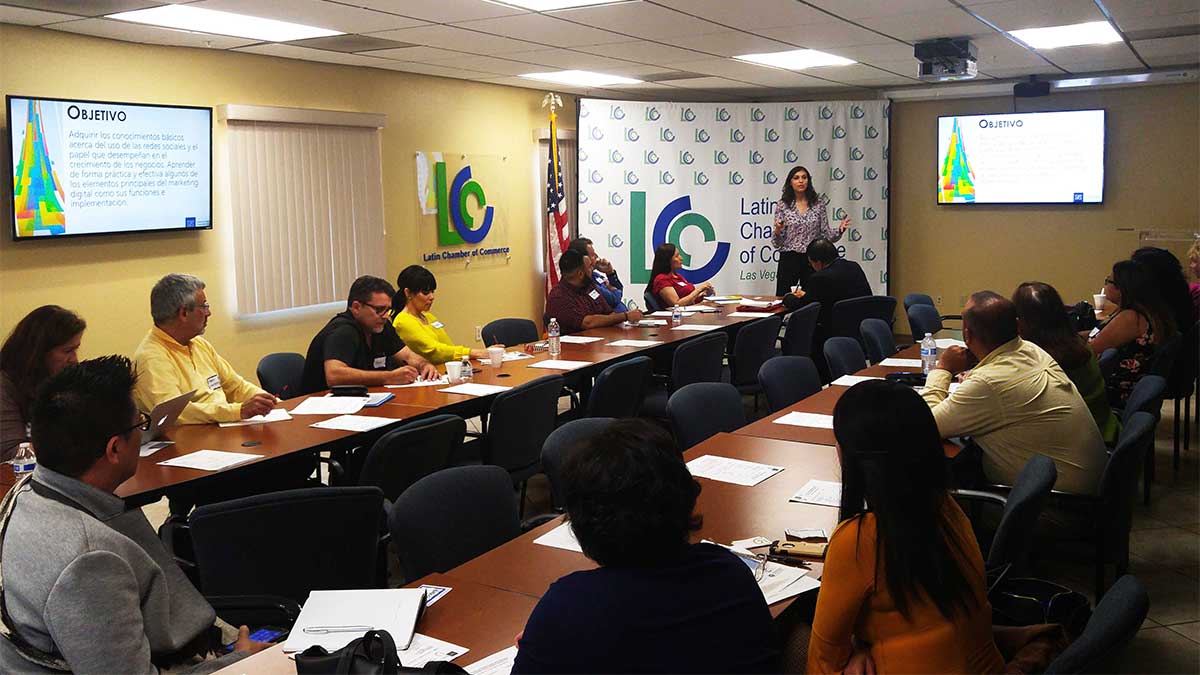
{"x": 603, "y": 275}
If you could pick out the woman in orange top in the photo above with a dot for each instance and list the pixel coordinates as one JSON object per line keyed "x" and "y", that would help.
{"x": 903, "y": 589}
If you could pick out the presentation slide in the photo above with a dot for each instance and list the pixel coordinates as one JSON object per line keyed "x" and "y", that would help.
{"x": 83, "y": 167}
{"x": 1022, "y": 158}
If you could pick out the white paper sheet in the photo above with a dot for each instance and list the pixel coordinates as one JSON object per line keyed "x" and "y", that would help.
{"x": 667, "y": 312}
{"x": 354, "y": 423}
{"x": 443, "y": 380}
{"x": 518, "y": 356}
{"x": 560, "y": 537}
{"x": 578, "y": 339}
{"x": 778, "y": 582}
{"x": 803, "y": 419}
{"x": 820, "y": 492}
{"x": 758, "y": 303}
{"x": 434, "y": 593}
{"x": 209, "y": 460}
{"x": 748, "y": 315}
{"x": 152, "y": 447}
{"x": 500, "y": 663}
{"x": 472, "y": 389}
{"x": 329, "y": 405}
{"x": 276, "y": 415}
{"x": 943, "y": 343}
{"x": 424, "y": 649}
{"x": 901, "y": 363}
{"x": 719, "y": 298}
{"x": 634, "y": 343}
{"x": 851, "y": 380}
{"x": 648, "y": 323}
{"x": 702, "y": 308}
{"x": 560, "y": 364}
{"x": 332, "y": 619}
{"x": 729, "y": 470}
{"x": 725, "y": 302}
{"x": 698, "y": 327}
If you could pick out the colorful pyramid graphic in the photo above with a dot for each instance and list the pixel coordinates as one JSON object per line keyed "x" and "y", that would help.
{"x": 957, "y": 179}
{"x": 36, "y": 189}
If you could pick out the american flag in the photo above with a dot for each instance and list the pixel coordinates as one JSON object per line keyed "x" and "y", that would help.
{"x": 557, "y": 231}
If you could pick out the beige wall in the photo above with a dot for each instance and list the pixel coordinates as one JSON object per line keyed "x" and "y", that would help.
{"x": 1151, "y": 182}
{"x": 107, "y": 279}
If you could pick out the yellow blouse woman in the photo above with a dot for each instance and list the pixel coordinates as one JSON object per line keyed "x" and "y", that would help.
{"x": 417, "y": 326}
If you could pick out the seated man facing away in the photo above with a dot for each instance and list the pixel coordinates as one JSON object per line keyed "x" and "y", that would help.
{"x": 87, "y": 585}
{"x": 173, "y": 359}
{"x": 834, "y": 278}
{"x": 360, "y": 346}
{"x": 603, "y": 274}
{"x": 656, "y": 604}
{"x": 1016, "y": 403}
{"x": 576, "y": 302}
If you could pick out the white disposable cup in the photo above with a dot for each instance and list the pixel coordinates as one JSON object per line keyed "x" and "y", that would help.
{"x": 454, "y": 371}
{"x": 496, "y": 355}
{"x": 797, "y": 287}
{"x": 1099, "y": 301}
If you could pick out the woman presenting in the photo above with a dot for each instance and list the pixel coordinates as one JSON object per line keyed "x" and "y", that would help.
{"x": 800, "y": 218}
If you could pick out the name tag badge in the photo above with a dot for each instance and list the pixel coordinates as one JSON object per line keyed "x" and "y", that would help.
{"x": 594, "y": 294}
{"x": 380, "y": 362}
{"x": 438, "y": 324}
{"x": 214, "y": 383}
{"x": 1094, "y": 333}
{"x": 681, "y": 283}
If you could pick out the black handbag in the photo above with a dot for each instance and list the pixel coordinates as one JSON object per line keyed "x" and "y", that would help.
{"x": 372, "y": 654}
{"x": 1026, "y": 602}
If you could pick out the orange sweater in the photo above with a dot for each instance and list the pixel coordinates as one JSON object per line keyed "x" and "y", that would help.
{"x": 850, "y": 605}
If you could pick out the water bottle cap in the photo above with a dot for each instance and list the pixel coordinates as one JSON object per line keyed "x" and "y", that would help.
{"x": 929, "y": 335}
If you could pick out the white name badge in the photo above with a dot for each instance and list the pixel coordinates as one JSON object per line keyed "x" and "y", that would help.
{"x": 380, "y": 362}
{"x": 438, "y": 324}
{"x": 681, "y": 283}
{"x": 594, "y": 294}
{"x": 214, "y": 383}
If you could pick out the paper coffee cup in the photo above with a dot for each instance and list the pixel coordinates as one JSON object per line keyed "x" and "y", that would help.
{"x": 496, "y": 355}
{"x": 1099, "y": 301}
{"x": 454, "y": 370}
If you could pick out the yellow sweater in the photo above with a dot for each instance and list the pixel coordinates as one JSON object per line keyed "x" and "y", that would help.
{"x": 428, "y": 338}
{"x": 166, "y": 369}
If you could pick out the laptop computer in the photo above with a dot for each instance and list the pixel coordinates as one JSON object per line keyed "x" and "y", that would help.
{"x": 163, "y": 416}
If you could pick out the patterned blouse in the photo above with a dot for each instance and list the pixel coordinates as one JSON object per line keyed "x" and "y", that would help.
{"x": 794, "y": 231}
{"x": 1133, "y": 361}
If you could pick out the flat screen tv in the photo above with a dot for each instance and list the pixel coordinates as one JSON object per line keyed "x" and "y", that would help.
{"x": 98, "y": 167}
{"x": 1021, "y": 158}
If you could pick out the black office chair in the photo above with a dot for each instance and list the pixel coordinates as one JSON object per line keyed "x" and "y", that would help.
{"x": 1147, "y": 396}
{"x": 848, "y": 315}
{"x": 520, "y": 420}
{"x": 1012, "y": 541}
{"x": 799, "y": 327}
{"x": 1116, "y": 619}
{"x": 923, "y": 319}
{"x": 699, "y": 359}
{"x": 753, "y": 345}
{"x": 913, "y": 299}
{"x": 452, "y": 516}
{"x": 653, "y": 304}
{"x": 844, "y": 356}
{"x": 281, "y": 374}
{"x": 703, "y": 409}
{"x": 402, "y": 457}
{"x": 561, "y": 442}
{"x": 788, "y": 379}
{"x": 1181, "y": 384}
{"x": 620, "y": 388}
{"x": 877, "y": 336}
{"x": 510, "y": 332}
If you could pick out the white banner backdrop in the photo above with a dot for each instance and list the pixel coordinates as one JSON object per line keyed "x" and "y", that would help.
{"x": 706, "y": 177}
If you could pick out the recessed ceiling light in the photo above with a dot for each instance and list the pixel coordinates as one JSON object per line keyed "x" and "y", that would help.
{"x": 797, "y": 59}
{"x": 1093, "y": 33}
{"x": 581, "y": 78}
{"x": 185, "y": 17}
{"x": 551, "y": 5}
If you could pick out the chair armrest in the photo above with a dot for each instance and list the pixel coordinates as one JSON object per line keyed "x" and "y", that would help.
{"x": 282, "y": 610}
{"x": 979, "y": 495}
{"x": 538, "y": 521}
{"x": 336, "y": 470}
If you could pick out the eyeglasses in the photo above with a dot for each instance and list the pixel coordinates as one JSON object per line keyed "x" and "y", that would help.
{"x": 381, "y": 310}
{"x": 1109, "y": 281}
{"x": 143, "y": 424}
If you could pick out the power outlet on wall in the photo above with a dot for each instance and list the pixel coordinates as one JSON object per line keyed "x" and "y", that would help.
{"x": 479, "y": 333}
{"x": 938, "y": 301}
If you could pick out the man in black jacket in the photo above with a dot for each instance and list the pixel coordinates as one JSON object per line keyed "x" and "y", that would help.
{"x": 834, "y": 278}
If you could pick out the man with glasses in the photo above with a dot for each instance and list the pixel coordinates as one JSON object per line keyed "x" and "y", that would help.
{"x": 87, "y": 585}
{"x": 360, "y": 346}
{"x": 173, "y": 359}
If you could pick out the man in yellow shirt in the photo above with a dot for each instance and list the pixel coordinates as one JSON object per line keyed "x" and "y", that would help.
{"x": 173, "y": 359}
{"x": 1016, "y": 402}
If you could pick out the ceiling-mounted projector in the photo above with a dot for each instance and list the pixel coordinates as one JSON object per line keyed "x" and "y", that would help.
{"x": 946, "y": 59}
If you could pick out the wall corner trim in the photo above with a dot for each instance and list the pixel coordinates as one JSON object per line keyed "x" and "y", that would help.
{"x": 237, "y": 112}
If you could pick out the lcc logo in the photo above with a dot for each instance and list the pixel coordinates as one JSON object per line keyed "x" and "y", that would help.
{"x": 452, "y": 207}
{"x": 675, "y": 217}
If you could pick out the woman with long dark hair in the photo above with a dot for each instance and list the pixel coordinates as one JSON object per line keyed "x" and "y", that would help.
{"x": 42, "y": 344}
{"x": 417, "y": 326}
{"x": 1141, "y": 323}
{"x": 1042, "y": 319}
{"x": 1166, "y": 273}
{"x": 903, "y": 589}
{"x": 668, "y": 285}
{"x": 800, "y": 218}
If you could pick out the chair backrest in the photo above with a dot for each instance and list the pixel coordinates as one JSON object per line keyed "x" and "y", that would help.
{"x": 848, "y": 315}
{"x": 699, "y": 359}
{"x": 520, "y": 420}
{"x": 289, "y": 543}
{"x": 653, "y": 304}
{"x": 560, "y": 443}
{"x": 510, "y": 332}
{"x": 282, "y": 374}
{"x": 844, "y": 356}
{"x": 702, "y": 409}
{"x": 923, "y": 319}
{"x": 877, "y": 336}
{"x": 1113, "y": 624}
{"x": 1181, "y": 381}
{"x": 913, "y": 299}
{"x": 619, "y": 388}
{"x": 1118, "y": 482}
{"x": 788, "y": 379}
{"x": 449, "y": 517}
{"x": 1147, "y": 396}
{"x": 402, "y": 457}
{"x": 799, "y": 327}
{"x": 752, "y": 346}
{"x": 1164, "y": 357}
{"x": 1013, "y": 539}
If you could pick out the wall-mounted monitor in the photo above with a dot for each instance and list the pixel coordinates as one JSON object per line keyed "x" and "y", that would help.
{"x": 95, "y": 167}
{"x": 1021, "y": 158}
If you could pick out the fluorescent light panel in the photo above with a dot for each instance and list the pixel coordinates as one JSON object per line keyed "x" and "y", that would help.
{"x": 797, "y": 59}
{"x": 581, "y": 78}
{"x": 184, "y": 17}
{"x": 551, "y": 5}
{"x": 1092, "y": 33}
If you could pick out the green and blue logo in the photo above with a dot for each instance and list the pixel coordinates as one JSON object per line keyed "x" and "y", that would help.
{"x": 452, "y": 208}
{"x": 672, "y": 221}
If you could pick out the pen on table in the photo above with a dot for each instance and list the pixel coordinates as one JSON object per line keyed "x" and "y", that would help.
{"x": 337, "y": 629}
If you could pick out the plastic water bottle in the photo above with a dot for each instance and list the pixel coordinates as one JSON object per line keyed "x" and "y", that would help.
{"x": 24, "y": 462}
{"x": 467, "y": 372}
{"x": 676, "y": 315}
{"x": 928, "y": 353}
{"x": 552, "y": 331}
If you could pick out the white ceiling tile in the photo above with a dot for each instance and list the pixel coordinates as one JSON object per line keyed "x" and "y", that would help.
{"x": 439, "y": 71}
{"x": 1164, "y": 60}
{"x": 848, "y": 74}
{"x": 309, "y": 54}
{"x": 489, "y": 64}
{"x": 712, "y": 83}
{"x": 1021, "y": 14}
{"x": 1170, "y": 51}
{"x": 31, "y": 17}
{"x": 997, "y": 51}
{"x": 925, "y": 25}
{"x": 889, "y": 51}
{"x": 572, "y": 60}
{"x": 736, "y": 43}
{"x": 860, "y": 9}
{"x": 459, "y": 39}
{"x": 421, "y": 54}
{"x": 1132, "y": 9}
{"x": 640, "y": 19}
{"x": 313, "y": 13}
{"x": 135, "y": 32}
{"x": 1159, "y": 21}
{"x": 645, "y": 52}
{"x": 545, "y": 30}
{"x": 88, "y": 8}
{"x": 824, "y": 35}
{"x": 442, "y": 11}
{"x": 1022, "y": 71}
{"x": 1094, "y": 58}
{"x": 722, "y": 68}
{"x": 750, "y": 16}
{"x": 546, "y": 86}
